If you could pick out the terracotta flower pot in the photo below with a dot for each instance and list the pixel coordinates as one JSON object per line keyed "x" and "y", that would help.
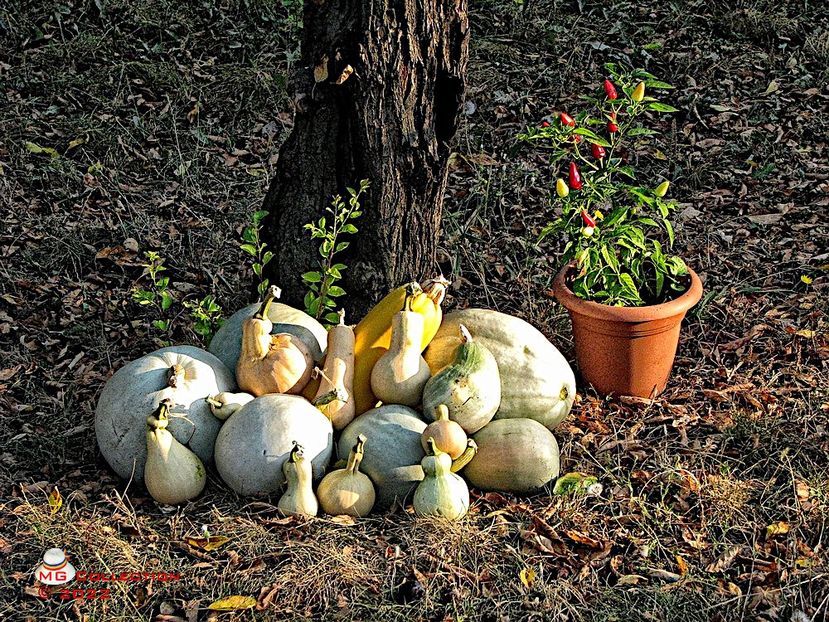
{"x": 626, "y": 350}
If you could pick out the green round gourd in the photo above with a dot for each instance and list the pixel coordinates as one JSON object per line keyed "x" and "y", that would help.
{"x": 135, "y": 391}
{"x": 514, "y": 455}
{"x": 470, "y": 386}
{"x": 441, "y": 493}
{"x": 392, "y": 452}
{"x": 255, "y": 442}
{"x": 536, "y": 380}
{"x": 227, "y": 342}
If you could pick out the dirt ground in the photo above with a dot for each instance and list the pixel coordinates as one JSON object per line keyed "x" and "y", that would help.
{"x": 148, "y": 125}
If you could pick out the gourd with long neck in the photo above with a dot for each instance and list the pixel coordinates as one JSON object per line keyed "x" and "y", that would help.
{"x": 348, "y": 491}
{"x": 173, "y": 474}
{"x": 441, "y": 493}
{"x": 226, "y": 403}
{"x": 335, "y": 396}
{"x": 299, "y": 495}
{"x": 268, "y": 363}
{"x": 401, "y": 373}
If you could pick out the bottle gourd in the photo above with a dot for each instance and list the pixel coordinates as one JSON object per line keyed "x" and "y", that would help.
{"x": 299, "y": 496}
{"x": 441, "y": 493}
{"x": 400, "y": 374}
{"x": 335, "y": 396}
{"x": 173, "y": 474}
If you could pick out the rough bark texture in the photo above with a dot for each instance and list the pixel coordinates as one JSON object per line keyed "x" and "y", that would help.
{"x": 390, "y": 121}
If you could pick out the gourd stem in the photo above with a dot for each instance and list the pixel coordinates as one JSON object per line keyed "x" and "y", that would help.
{"x": 213, "y": 402}
{"x": 466, "y": 457}
{"x": 442, "y": 412}
{"x": 466, "y": 336}
{"x": 175, "y": 376}
{"x": 159, "y": 417}
{"x": 412, "y": 289}
{"x": 331, "y": 396}
{"x": 356, "y": 455}
{"x": 297, "y": 452}
{"x": 342, "y": 317}
{"x": 273, "y": 293}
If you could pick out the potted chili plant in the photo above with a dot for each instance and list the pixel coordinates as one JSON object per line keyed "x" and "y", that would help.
{"x": 625, "y": 292}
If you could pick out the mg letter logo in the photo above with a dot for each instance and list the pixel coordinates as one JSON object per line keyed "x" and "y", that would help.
{"x": 55, "y": 569}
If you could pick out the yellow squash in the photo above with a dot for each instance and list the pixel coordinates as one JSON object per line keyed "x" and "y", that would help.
{"x": 372, "y": 336}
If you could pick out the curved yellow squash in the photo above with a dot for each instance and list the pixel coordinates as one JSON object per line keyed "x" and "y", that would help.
{"x": 372, "y": 336}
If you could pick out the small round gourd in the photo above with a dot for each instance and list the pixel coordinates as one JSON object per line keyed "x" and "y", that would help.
{"x": 514, "y": 455}
{"x": 185, "y": 374}
{"x": 448, "y": 435}
{"x": 392, "y": 452}
{"x": 348, "y": 491}
{"x": 255, "y": 442}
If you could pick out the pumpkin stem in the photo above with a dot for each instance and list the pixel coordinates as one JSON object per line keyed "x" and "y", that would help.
{"x": 175, "y": 376}
{"x": 272, "y": 294}
{"x": 466, "y": 457}
{"x": 356, "y": 455}
{"x": 466, "y": 336}
{"x": 436, "y": 288}
{"x": 342, "y": 317}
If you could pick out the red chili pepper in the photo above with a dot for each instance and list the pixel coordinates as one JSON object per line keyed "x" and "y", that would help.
{"x": 613, "y": 116}
{"x": 575, "y": 177}
{"x": 598, "y": 151}
{"x": 545, "y": 124}
{"x": 566, "y": 119}
{"x": 588, "y": 221}
{"x": 610, "y": 90}
{"x": 612, "y": 127}
{"x": 577, "y": 138}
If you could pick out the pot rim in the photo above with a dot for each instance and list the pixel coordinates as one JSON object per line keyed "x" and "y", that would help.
{"x": 648, "y": 313}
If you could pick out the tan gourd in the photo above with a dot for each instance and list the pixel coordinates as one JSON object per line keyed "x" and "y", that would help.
{"x": 299, "y": 495}
{"x": 401, "y": 373}
{"x": 448, "y": 435}
{"x": 335, "y": 396}
{"x": 224, "y": 404}
{"x": 173, "y": 474}
{"x": 279, "y": 363}
{"x": 441, "y": 493}
{"x": 348, "y": 491}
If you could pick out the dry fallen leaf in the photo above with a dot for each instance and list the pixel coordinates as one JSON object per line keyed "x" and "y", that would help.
{"x": 777, "y": 529}
{"x": 724, "y": 561}
{"x": 321, "y": 70}
{"x": 233, "y": 603}
{"x": 527, "y": 576}
{"x": 55, "y": 501}
{"x": 210, "y": 543}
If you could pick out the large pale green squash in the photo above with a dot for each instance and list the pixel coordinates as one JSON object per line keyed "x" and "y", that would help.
{"x": 227, "y": 342}
{"x": 514, "y": 455}
{"x": 392, "y": 452}
{"x": 536, "y": 380}
{"x": 184, "y": 374}
{"x": 256, "y": 440}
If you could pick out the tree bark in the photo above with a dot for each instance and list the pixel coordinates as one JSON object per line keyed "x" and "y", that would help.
{"x": 390, "y": 121}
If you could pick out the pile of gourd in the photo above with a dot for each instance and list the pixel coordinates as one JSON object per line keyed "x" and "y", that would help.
{"x": 407, "y": 398}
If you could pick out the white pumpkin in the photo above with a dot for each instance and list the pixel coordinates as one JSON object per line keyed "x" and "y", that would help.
{"x": 255, "y": 442}
{"x": 227, "y": 342}
{"x": 184, "y": 374}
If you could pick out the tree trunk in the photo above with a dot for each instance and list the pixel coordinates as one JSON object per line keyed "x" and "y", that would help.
{"x": 390, "y": 121}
